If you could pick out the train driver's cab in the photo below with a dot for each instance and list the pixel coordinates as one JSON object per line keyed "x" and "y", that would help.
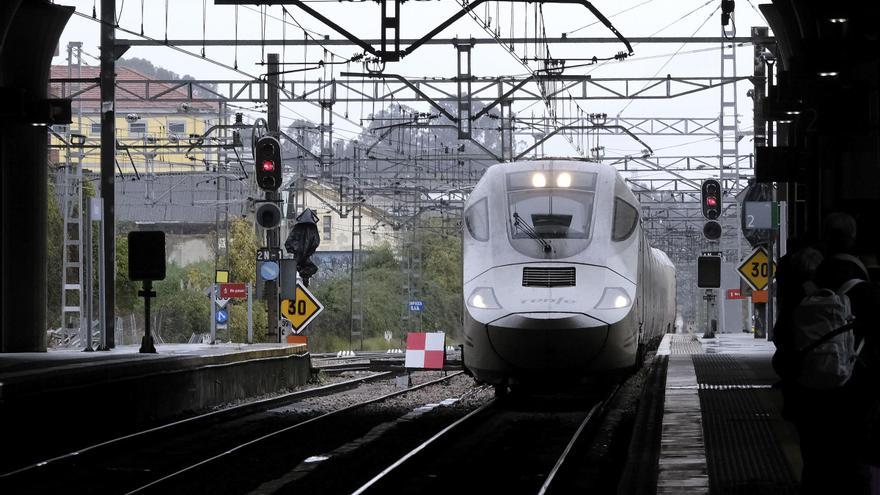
{"x": 550, "y": 212}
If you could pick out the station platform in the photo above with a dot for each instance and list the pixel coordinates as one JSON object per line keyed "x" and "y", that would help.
{"x": 722, "y": 429}
{"x": 65, "y": 394}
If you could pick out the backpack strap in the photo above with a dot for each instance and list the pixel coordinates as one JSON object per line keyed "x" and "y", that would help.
{"x": 849, "y": 284}
{"x": 830, "y": 335}
{"x": 852, "y": 259}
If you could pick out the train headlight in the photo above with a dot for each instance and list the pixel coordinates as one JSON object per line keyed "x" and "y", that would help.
{"x": 614, "y": 298}
{"x": 563, "y": 180}
{"x": 483, "y": 298}
{"x": 538, "y": 179}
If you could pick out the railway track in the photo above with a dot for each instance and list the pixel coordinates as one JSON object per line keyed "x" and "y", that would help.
{"x": 378, "y": 365}
{"x": 155, "y": 460}
{"x": 224, "y": 414}
{"x": 500, "y": 447}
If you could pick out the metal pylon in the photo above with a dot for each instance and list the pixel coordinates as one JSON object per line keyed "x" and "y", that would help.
{"x": 72, "y": 246}
{"x": 463, "y": 108}
{"x": 326, "y": 130}
{"x": 728, "y": 134}
{"x": 72, "y": 300}
{"x": 356, "y": 324}
{"x": 412, "y": 262}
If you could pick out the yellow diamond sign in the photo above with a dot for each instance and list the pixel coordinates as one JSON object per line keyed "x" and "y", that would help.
{"x": 757, "y": 269}
{"x": 301, "y": 310}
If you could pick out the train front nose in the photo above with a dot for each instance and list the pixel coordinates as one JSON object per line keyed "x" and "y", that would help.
{"x": 547, "y": 341}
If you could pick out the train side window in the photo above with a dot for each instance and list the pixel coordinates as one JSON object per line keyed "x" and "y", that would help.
{"x": 625, "y": 219}
{"x": 477, "y": 220}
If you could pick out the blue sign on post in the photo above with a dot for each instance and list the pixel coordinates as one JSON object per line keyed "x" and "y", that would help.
{"x": 416, "y": 305}
{"x": 222, "y": 316}
{"x": 269, "y": 270}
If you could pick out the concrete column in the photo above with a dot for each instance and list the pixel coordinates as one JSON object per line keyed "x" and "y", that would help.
{"x": 29, "y": 34}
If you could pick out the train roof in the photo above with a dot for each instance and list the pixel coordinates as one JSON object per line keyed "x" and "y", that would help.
{"x": 552, "y": 162}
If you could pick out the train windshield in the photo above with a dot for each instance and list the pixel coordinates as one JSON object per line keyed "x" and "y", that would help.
{"x": 553, "y": 204}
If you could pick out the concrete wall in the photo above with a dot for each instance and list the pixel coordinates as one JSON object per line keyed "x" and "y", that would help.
{"x": 140, "y": 391}
{"x": 183, "y": 250}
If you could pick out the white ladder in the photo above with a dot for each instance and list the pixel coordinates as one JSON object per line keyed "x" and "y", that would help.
{"x": 72, "y": 248}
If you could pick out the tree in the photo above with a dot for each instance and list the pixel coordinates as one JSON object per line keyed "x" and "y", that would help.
{"x": 238, "y": 321}
{"x": 243, "y": 268}
{"x": 442, "y": 279}
{"x": 242, "y": 251}
{"x": 182, "y": 314}
{"x": 381, "y": 283}
{"x": 399, "y": 127}
{"x": 54, "y": 240}
{"x": 126, "y": 290}
{"x": 306, "y": 135}
{"x": 152, "y": 71}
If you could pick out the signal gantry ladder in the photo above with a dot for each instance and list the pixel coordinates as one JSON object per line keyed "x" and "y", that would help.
{"x": 72, "y": 251}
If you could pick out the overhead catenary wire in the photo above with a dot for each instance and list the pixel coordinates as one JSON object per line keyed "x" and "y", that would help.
{"x": 610, "y": 16}
{"x": 536, "y": 43}
{"x": 636, "y": 58}
{"x": 665, "y": 27}
{"x": 631, "y": 100}
{"x": 541, "y": 86}
{"x": 207, "y": 59}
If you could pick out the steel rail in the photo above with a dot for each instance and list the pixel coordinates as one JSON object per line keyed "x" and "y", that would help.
{"x": 229, "y": 412}
{"x": 287, "y": 429}
{"x": 412, "y": 453}
{"x": 597, "y": 412}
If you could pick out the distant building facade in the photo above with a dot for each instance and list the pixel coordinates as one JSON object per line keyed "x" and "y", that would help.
{"x": 153, "y": 135}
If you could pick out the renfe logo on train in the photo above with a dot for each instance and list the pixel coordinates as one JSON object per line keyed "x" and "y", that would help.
{"x": 558, "y": 300}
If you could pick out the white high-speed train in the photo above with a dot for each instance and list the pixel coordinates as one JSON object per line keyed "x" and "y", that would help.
{"x": 559, "y": 279}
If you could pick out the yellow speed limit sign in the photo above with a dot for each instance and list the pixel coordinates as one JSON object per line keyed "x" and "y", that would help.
{"x": 757, "y": 269}
{"x": 301, "y": 310}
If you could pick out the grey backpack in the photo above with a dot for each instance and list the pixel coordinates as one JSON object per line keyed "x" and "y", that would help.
{"x": 823, "y": 335}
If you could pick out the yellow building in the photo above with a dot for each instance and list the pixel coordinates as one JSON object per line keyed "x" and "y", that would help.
{"x": 153, "y": 136}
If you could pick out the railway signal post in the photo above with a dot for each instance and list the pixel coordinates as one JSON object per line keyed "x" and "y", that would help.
{"x": 709, "y": 267}
{"x": 268, "y": 168}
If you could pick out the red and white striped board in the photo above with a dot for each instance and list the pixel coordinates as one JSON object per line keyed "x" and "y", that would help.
{"x": 425, "y": 350}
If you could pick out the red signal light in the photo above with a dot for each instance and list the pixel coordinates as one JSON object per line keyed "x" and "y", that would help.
{"x": 268, "y": 166}
{"x": 711, "y": 201}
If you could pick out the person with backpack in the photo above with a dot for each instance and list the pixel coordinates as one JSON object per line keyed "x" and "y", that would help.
{"x": 832, "y": 327}
{"x": 795, "y": 277}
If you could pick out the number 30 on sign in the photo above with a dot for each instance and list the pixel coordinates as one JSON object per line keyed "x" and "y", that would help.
{"x": 757, "y": 269}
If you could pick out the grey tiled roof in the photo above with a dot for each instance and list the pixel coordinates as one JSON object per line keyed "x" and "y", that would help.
{"x": 184, "y": 198}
